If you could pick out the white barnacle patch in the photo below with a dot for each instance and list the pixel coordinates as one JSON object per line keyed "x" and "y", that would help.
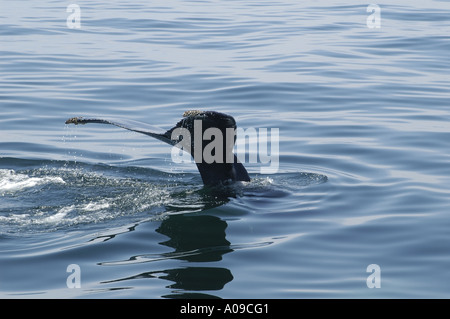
{"x": 192, "y": 113}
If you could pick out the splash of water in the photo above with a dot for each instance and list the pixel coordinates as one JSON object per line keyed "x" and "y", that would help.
{"x": 11, "y": 182}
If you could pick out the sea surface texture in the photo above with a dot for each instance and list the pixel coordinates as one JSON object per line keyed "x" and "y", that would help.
{"x": 346, "y": 115}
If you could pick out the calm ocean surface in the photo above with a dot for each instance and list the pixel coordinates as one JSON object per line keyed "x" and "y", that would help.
{"x": 364, "y": 151}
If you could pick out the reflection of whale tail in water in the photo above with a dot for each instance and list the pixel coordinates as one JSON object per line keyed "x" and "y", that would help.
{"x": 196, "y": 238}
{"x": 219, "y": 167}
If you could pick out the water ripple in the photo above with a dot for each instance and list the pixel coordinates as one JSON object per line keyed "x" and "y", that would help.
{"x": 363, "y": 166}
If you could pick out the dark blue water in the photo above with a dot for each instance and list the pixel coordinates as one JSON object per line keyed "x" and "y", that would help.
{"x": 363, "y": 178}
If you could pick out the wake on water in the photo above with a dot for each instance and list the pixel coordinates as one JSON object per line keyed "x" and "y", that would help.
{"x": 50, "y": 196}
{"x": 11, "y": 182}
{"x": 48, "y": 199}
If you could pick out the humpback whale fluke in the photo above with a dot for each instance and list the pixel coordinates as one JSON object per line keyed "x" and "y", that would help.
{"x": 189, "y": 133}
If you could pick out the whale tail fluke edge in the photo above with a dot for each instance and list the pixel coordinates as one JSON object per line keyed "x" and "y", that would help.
{"x": 211, "y": 173}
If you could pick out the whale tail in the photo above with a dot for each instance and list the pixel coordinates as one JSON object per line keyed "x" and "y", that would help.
{"x": 219, "y": 166}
